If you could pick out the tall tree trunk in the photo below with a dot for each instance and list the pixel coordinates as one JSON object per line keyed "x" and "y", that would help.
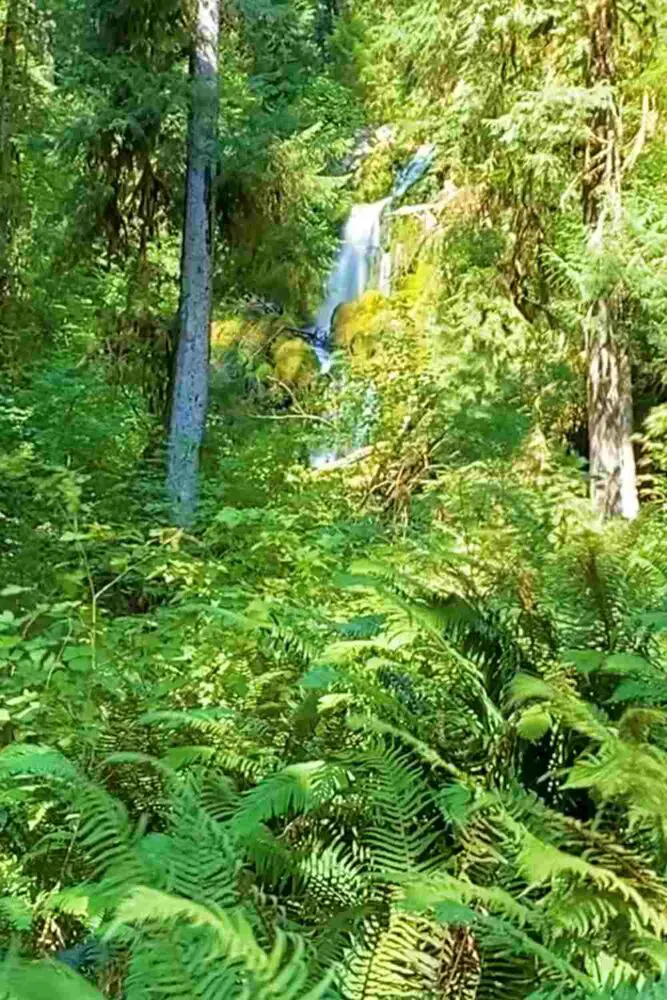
{"x": 8, "y": 192}
{"x": 190, "y": 387}
{"x": 611, "y": 455}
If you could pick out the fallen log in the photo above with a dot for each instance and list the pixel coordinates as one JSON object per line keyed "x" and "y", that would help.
{"x": 358, "y": 455}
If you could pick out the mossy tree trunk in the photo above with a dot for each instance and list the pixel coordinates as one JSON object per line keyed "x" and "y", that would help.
{"x": 190, "y": 386}
{"x": 610, "y": 420}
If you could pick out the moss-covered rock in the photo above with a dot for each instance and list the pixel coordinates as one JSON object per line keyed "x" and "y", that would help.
{"x": 225, "y": 333}
{"x": 358, "y": 326}
{"x": 294, "y": 361}
{"x": 248, "y": 336}
{"x": 264, "y": 348}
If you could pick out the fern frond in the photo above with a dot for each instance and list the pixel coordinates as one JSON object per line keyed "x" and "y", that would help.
{"x": 504, "y": 975}
{"x": 103, "y": 827}
{"x": 331, "y": 877}
{"x": 272, "y": 860}
{"x": 299, "y": 787}
{"x": 246, "y": 767}
{"x": 235, "y": 763}
{"x": 542, "y": 863}
{"x": 400, "y": 834}
{"x": 396, "y": 960}
{"x": 16, "y": 912}
{"x": 37, "y": 980}
{"x": 32, "y": 760}
{"x": 202, "y": 860}
{"x": 427, "y": 753}
{"x": 422, "y": 895}
{"x": 619, "y": 770}
{"x": 137, "y": 757}
{"x": 106, "y": 834}
{"x": 229, "y": 960}
{"x": 215, "y": 723}
{"x": 174, "y": 963}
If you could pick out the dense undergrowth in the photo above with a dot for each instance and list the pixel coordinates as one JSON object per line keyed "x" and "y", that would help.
{"x": 389, "y": 729}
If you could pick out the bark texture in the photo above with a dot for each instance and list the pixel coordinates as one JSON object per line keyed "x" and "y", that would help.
{"x": 611, "y": 456}
{"x": 8, "y": 92}
{"x": 190, "y": 386}
{"x": 612, "y": 460}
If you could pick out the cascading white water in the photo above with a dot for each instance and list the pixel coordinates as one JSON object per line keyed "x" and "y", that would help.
{"x": 414, "y": 171}
{"x": 351, "y": 275}
{"x": 358, "y": 252}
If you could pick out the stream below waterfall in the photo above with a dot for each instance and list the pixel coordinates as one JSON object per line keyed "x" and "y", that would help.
{"x": 360, "y": 261}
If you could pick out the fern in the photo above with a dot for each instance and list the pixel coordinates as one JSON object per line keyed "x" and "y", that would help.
{"x": 396, "y": 958}
{"x": 411, "y": 863}
{"x": 300, "y": 787}
{"x": 16, "y": 912}
{"x": 224, "y": 961}
{"x": 400, "y": 836}
{"x": 102, "y": 825}
{"x": 20, "y": 980}
{"x": 21, "y": 759}
{"x": 331, "y": 878}
{"x": 202, "y": 860}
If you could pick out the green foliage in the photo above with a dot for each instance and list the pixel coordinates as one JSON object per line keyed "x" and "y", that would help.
{"x": 388, "y": 727}
{"x": 31, "y": 980}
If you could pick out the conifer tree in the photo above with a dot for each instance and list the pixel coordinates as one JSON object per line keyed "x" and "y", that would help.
{"x": 611, "y": 457}
{"x": 190, "y": 392}
{"x": 8, "y": 88}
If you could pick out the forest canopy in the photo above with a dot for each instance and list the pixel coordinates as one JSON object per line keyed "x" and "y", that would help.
{"x": 333, "y": 500}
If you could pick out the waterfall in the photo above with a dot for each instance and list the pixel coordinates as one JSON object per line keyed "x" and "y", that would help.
{"x": 356, "y": 266}
{"x": 356, "y": 263}
{"x": 352, "y": 272}
{"x": 414, "y": 171}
